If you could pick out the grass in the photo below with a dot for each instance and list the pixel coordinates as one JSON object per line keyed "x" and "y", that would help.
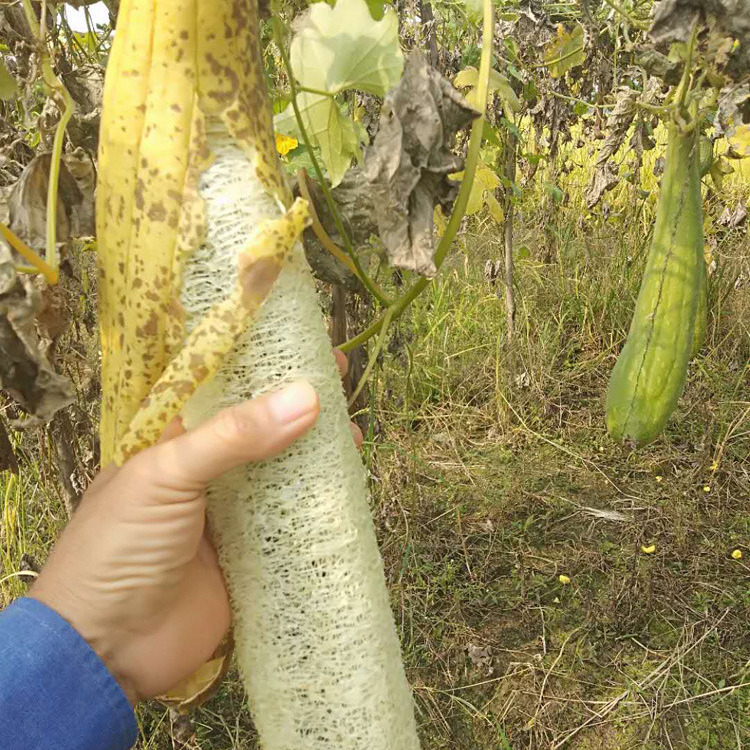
{"x": 492, "y": 475}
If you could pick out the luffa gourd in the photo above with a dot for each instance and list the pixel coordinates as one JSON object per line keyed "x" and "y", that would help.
{"x": 650, "y": 373}
{"x": 194, "y": 226}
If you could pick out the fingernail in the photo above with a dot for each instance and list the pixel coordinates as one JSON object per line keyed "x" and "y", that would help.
{"x": 359, "y": 438}
{"x": 293, "y": 402}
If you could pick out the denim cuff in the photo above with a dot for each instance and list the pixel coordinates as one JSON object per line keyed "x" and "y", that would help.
{"x": 55, "y": 692}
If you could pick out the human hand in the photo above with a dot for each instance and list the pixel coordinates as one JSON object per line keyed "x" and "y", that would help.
{"x": 134, "y": 572}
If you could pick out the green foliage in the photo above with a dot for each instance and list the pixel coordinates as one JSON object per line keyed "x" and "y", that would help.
{"x": 705, "y": 155}
{"x": 482, "y": 194}
{"x": 8, "y": 85}
{"x": 499, "y": 84}
{"x": 337, "y": 49}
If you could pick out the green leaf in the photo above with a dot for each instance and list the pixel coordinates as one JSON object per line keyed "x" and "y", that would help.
{"x": 511, "y": 45}
{"x": 486, "y": 176}
{"x": 8, "y": 85}
{"x": 523, "y": 252}
{"x": 678, "y": 52}
{"x": 88, "y": 40}
{"x": 476, "y": 197}
{"x": 565, "y": 51}
{"x": 508, "y": 95}
{"x": 498, "y": 83}
{"x": 327, "y": 128}
{"x": 474, "y": 9}
{"x": 529, "y": 91}
{"x": 491, "y": 136}
{"x": 377, "y": 8}
{"x": 467, "y": 77}
{"x": 280, "y": 102}
{"x": 511, "y": 128}
{"x": 299, "y": 159}
{"x": 533, "y": 159}
{"x": 495, "y": 209}
{"x": 470, "y": 55}
{"x": 516, "y": 73}
{"x": 343, "y": 47}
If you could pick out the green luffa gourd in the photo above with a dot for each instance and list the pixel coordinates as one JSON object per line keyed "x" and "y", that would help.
{"x": 650, "y": 373}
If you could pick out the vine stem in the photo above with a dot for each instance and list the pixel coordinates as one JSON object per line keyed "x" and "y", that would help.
{"x": 374, "y": 291}
{"x": 387, "y": 316}
{"x": 319, "y": 92}
{"x": 66, "y": 112}
{"x": 323, "y": 236}
{"x": 38, "y": 265}
{"x": 635, "y": 23}
{"x": 459, "y": 207}
{"x": 683, "y": 88}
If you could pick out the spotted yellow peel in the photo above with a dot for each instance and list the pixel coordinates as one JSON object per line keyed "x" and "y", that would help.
{"x": 174, "y": 63}
{"x": 206, "y": 346}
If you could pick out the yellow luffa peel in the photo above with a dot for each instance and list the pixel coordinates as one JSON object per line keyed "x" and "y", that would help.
{"x": 172, "y": 63}
{"x": 208, "y": 343}
{"x": 163, "y": 77}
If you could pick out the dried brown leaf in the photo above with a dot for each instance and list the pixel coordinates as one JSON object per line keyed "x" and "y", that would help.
{"x": 604, "y": 179}
{"x": 732, "y": 218}
{"x": 409, "y": 162}
{"x": 8, "y": 460}
{"x": 673, "y": 21}
{"x": 25, "y": 371}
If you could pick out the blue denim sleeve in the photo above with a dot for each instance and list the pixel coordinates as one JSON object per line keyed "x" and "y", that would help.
{"x": 55, "y": 692}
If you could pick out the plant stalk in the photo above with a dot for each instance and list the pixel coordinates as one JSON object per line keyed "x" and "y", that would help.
{"x": 459, "y": 207}
{"x": 55, "y": 85}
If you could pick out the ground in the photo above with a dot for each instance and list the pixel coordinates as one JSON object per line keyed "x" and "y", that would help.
{"x": 492, "y": 476}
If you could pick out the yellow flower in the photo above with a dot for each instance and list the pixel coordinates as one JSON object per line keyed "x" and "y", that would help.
{"x": 737, "y": 554}
{"x": 649, "y": 550}
{"x": 714, "y": 466}
{"x": 285, "y": 143}
{"x": 564, "y": 580}
{"x": 659, "y": 478}
{"x": 706, "y": 488}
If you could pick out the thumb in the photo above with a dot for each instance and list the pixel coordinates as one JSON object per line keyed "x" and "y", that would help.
{"x": 251, "y": 431}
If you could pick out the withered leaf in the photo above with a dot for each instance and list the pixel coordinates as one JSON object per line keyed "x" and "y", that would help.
{"x": 8, "y": 460}
{"x": 410, "y": 159}
{"x": 733, "y": 120}
{"x": 673, "y": 22}
{"x": 618, "y": 122}
{"x": 604, "y": 179}
{"x": 27, "y": 201}
{"x": 25, "y": 372}
{"x": 659, "y": 65}
{"x": 732, "y": 218}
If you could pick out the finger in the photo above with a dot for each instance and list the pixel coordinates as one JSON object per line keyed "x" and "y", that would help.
{"x": 101, "y": 480}
{"x": 105, "y": 476}
{"x": 251, "y": 431}
{"x": 359, "y": 438}
{"x": 172, "y": 430}
{"x": 342, "y": 361}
